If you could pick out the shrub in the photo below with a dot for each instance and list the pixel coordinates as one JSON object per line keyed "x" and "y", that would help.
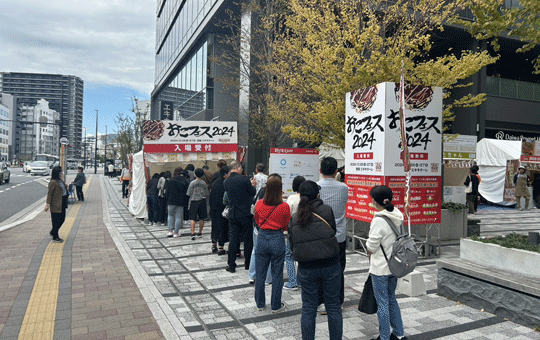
{"x": 512, "y": 240}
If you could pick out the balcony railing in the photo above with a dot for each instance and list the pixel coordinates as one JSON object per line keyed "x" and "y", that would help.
{"x": 514, "y": 89}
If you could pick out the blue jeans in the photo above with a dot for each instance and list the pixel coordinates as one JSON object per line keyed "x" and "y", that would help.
{"x": 289, "y": 262}
{"x": 388, "y": 310}
{"x": 270, "y": 249}
{"x": 312, "y": 280}
{"x": 251, "y": 272}
{"x": 175, "y": 216}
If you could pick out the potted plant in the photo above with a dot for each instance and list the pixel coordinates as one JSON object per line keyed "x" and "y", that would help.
{"x": 453, "y": 221}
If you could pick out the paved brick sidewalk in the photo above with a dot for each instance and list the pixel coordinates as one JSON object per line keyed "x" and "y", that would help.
{"x": 98, "y": 298}
{"x": 187, "y": 283}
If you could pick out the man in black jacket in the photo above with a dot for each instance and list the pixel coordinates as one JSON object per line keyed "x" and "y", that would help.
{"x": 240, "y": 191}
{"x": 175, "y": 193}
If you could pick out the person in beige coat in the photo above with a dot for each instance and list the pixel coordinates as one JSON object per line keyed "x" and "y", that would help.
{"x": 384, "y": 283}
{"x": 57, "y": 201}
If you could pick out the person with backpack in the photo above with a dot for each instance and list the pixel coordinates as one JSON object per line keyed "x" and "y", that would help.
{"x": 380, "y": 242}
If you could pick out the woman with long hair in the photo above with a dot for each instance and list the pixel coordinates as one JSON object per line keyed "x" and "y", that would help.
{"x": 57, "y": 201}
{"x": 384, "y": 283}
{"x": 312, "y": 235}
{"x": 272, "y": 216}
{"x": 292, "y": 201}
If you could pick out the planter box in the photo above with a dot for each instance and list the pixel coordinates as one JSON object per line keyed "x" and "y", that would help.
{"x": 507, "y": 259}
{"x": 453, "y": 224}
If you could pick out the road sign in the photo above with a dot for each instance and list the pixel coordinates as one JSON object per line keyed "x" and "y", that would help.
{"x": 64, "y": 141}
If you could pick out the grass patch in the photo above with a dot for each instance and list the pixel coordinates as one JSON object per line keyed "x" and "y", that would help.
{"x": 512, "y": 240}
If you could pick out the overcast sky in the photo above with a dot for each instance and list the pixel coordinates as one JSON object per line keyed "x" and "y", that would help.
{"x": 107, "y": 43}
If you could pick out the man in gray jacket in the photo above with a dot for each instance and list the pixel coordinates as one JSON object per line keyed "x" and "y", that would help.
{"x": 79, "y": 181}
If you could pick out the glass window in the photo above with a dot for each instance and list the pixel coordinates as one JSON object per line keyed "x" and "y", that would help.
{"x": 525, "y": 90}
{"x": 508, "y": 88}
{"x": 492, "y": 86}
{"x": 205, "y": 61}
{"x": 200, "y": 72}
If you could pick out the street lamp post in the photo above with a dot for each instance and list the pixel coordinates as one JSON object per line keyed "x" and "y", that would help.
{"x": 95, "y": 151}
{"x": 84, "y": 153}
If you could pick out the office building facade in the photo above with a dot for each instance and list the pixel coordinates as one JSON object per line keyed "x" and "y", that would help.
{"x": 5, "y": 116}
{"x": 64, "y": 94}
{"x": 186, "y": 72}
{"x": 38, "y": 138}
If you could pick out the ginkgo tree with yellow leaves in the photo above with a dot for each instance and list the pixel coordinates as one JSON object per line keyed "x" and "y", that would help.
{"x": 326, "y": 48}
{"x": 491, "y": 19}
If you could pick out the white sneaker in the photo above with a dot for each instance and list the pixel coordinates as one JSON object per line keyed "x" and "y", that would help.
{"x": 170, "y": 234}
{"x": 280, "y": 309}
{"x": 321, "y": 309}
{"x": 176, "y": 235}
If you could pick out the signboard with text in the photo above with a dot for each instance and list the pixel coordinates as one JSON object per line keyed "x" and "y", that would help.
{"x": 459, "y": 147}
{"x": 373, "y": 149}
{"x": 167, "y": 110}
{"x": 530, "y": 151}
{"x": 292, "y": 162}
{"x": 189, "y": 132}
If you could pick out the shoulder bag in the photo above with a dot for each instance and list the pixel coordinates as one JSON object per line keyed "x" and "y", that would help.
{"x": 368, "y": 303}
{"x": 468, "y": 190}
{"x": 332, "y": 241}
{"x": 259, "y": 226}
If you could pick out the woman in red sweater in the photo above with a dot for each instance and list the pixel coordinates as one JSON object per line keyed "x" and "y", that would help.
{"x": 272, "y": 217}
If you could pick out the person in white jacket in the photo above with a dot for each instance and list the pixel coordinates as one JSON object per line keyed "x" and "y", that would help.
{"x": 384, "y": 283}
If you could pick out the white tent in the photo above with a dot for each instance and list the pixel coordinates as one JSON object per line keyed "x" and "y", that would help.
{"x": 491, "y": 157}
{"x": 328, "y": 150}
{"x": 137, "y": 200}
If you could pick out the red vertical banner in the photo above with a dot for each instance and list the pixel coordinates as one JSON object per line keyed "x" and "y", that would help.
{"x": 424, "y": 198}
{"x": 359, "y": 204}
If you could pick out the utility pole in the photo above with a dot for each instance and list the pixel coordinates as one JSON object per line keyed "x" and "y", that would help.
{"x": 84, "y": 153}
{"x": 95, "y": 150}
{"x": 105, "y": 144}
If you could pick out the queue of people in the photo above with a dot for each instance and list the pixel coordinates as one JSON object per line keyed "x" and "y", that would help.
{"x": 307, "y": 228}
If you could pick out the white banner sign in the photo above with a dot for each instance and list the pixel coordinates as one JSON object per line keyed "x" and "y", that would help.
{"x": 372, "y": 143}
{"x": 290, "y": 163}
{"x": 189, "y": 132}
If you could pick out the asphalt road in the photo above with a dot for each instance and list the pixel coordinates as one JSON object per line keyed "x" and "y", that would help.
{"x": 21, "y": 191}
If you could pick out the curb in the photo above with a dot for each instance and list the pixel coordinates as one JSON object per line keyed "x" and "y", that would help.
{"x": 24, "y": 215}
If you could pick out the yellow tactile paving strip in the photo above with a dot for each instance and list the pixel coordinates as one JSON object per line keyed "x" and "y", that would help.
{"x": 40, "y": 314}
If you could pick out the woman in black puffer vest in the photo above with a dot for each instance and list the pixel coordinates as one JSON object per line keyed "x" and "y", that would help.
{"x": 314, "y": 245}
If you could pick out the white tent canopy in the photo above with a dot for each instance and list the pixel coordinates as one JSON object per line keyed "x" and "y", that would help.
{"x": 137, "y": 200}
{"x": 329, "y": 150}
{"x": 491, "y": 157}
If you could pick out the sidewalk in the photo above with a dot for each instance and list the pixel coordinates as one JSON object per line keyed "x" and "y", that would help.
{"x": 79, "y": 289}
{"x": 121, "y": 279}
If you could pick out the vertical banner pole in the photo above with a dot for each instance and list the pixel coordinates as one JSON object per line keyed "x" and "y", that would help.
{"x": 404, "y": 148}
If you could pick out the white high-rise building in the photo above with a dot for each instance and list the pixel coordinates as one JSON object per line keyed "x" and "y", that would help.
{"x": 4, "y": 131}
{"x": 39, "y": 138}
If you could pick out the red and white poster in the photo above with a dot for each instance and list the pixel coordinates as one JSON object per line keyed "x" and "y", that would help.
{"x": 530, "y": 151}
{"x": 373, "y": 151}
{"x": 292, "y": 162}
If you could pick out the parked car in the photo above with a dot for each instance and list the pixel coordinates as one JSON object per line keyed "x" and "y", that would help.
{"x": 4, "y": 173}
{"x": 40, "y": 168}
